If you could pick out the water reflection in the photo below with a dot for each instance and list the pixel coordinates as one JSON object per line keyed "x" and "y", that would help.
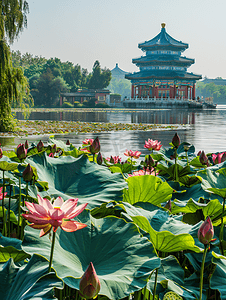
{"x": 207, "y": 128}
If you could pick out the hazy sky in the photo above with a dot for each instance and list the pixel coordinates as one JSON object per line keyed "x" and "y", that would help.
{"x": 82, "y": 31}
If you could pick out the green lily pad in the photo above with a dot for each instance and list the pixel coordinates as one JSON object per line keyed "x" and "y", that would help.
{"x": 166, "y": 241}
{"x": 123, "y": 259}
{"x": 31, "y": 281}
{"x": 147, "y": 188}
{"x": 69, "y": 177}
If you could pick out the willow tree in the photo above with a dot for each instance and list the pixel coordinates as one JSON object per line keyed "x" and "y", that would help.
{"x": 13, "y": 84}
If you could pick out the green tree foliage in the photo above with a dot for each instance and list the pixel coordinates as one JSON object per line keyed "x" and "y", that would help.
{"x": 120, "y": 86}
{"x": 48, "y": 89}
{"x": 218, "y": 92}
{"x": 13, "y": 84}
{"x": 100, "y": 78}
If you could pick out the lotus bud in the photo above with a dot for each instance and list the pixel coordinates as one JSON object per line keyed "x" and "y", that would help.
{"x": 28, "y": 173}
{"x": 176, "y": 140}
{"x": 89, "y": 285}
{"x": 168, "y": 205}
{"x": 54, "y": 149}
{"x": 99, "y": 159}
{"x": 21, "y": 152}
{"x": 40, "y": 146}
{"x": 51, "y": 155}
{"x": 26, "y": 144}
{"x": 95, "y": 146}
{"x": 206, "y": 231}
{"x": 1, "y": 153}
{"x": 199, "y": 153}
{"x": 203, "y": 158}
{"x": 149, "y": 161}
{"x": 68, "y": 142}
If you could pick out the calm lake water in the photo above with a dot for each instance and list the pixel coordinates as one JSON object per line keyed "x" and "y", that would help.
{"x": 206, "y": 129}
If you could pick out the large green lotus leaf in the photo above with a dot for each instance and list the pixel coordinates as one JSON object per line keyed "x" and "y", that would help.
{"x": 214, "y": 182}
{"x": 214, "y": 210}
{"x": 122, "y": 258}
{"x": 147, "y": 188}
{"x": 161, "y": 220}
{"x": 192, "y": 283}
{"x": 166, "y": 241}
{"x": 10, "y": 252}
{"x": 170, "y": 277}
{"x": 196, "y": 258}
{"x": 78, "y": 178}
{"x": 218, "y": 279}
{"x": 195, "y": 192}
{"x": 190, "y": 206}
{"x": 7, "y": 165}
{"x": 60, "y": 144}
{"x": 31, "y": 281}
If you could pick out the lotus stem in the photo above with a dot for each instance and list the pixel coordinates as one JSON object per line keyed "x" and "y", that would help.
{"x": 19, "y": 208}
{"x": 93, "y": 157}
{"x": 202, "y": 270}
{"x": 221, "y": 235}
{"x": 4, "y": 231}
{"x": 51, "y": 253}
{"x": 155, "y": 286}
{"x": 176, "y": 173}
{"x": 10, "y": 195}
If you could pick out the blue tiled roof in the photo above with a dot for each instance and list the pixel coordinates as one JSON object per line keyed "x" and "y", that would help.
{"x": 164, "y": 41}
{"x": 169, "y": 59}
{"x": 162, "y": 74}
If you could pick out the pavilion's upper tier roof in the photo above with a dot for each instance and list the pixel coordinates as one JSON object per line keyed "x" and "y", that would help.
{"x": 163, "y": 41}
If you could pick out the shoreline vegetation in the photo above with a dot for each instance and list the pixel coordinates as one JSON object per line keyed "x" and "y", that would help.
{"x": 43, "y": 127}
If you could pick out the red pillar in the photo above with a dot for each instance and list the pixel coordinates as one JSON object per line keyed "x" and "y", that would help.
{"x": 61, "y": 101}
{"x": 132, "y": 91}
{"x": 153, "y": 91}
{"x": 193, "y": 92}
{"x": 186, "y": 92}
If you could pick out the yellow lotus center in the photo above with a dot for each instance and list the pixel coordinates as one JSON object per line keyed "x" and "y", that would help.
{"x": 56, "y": 207}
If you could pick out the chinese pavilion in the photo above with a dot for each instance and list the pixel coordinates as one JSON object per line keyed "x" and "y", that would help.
{"x": 163, "y": 71}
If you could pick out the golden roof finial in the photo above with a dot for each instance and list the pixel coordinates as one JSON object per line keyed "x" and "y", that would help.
{"x": 163, "y": 25}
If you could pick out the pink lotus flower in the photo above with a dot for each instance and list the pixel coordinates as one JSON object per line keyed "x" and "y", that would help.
{"x": 206, "y": 231}
{"x": 152, "y": 145}
{"x": 219, "y": 158}
{"x": 89, "y": 285}
{"x": 46, "y": 215}
{"x": 114, "y": 159}
{"x": 135, "y": 154}
{"x": 1, "y": 194}
{"x": 86, "y": 144}
{"x": 142, "y": 172}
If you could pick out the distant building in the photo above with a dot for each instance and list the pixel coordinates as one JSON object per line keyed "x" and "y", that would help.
{"x": 163, "y": 71}
{"x": 118, "y": 73}
{"x": 102, "y": 96}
